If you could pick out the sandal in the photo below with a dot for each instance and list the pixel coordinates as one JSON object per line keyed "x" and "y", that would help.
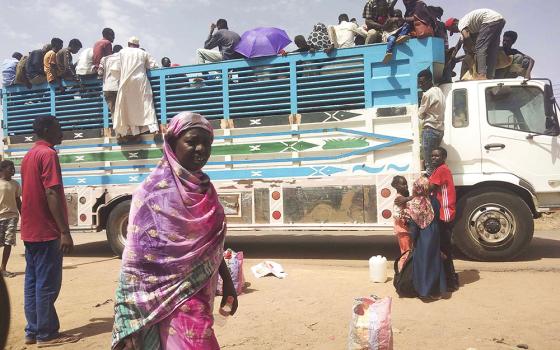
{"x": 388, "y": 57}
{"x": 402, "y": 39}
{"x": 8, "y": 274}
{"x": 60, "y": 339}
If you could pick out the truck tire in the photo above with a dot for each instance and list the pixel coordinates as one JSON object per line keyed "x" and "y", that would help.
{"x": 493, "y": 225}
{"x": 117, "y": 224}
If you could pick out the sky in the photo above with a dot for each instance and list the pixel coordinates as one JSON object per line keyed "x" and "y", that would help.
{"x": 176, "y": 28}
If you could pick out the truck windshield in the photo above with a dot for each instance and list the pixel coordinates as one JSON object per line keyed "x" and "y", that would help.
{"x": 516, "y": 107}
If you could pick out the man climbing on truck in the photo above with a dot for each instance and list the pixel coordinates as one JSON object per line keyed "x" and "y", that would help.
{"x": 431, "y": 113}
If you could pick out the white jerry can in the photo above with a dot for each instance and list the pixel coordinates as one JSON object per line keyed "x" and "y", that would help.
{"x": 378, "y": 269}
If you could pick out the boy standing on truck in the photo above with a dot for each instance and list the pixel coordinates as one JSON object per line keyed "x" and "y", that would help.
{"x": 431, "y": 112}
{"x": 103, "y": 47}
{"x": 110, "y": 71}
{"x": 442, "y": 186}
{"x": 10, "y": 207}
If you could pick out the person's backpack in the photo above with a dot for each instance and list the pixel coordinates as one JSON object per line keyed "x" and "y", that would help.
{"x": 403, "y": 278}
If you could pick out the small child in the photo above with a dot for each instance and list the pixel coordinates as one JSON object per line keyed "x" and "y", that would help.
{"x": 396, "y": 36}
{"x": 10, "y": 207}
{"x": 400, "y": 214}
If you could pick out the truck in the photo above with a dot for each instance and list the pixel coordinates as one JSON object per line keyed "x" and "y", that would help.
{"x": 311, "y": 141}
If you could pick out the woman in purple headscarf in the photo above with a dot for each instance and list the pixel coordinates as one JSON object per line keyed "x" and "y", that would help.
{"x": 174, "y": 248}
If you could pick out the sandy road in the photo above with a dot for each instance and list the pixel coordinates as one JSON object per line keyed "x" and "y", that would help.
{"x": 498, "y": 306}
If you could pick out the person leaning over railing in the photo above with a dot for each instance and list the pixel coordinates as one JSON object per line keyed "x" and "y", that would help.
{"x": 35, "y": 67}
{"x": 65, "y": 69}
{"x": 9, "y": 69}
{"x": 49, "y": 61}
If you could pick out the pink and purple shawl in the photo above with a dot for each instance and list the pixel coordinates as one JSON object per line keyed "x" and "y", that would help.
{"x": 420, "y": 208}
{"x": 174, "y": 242}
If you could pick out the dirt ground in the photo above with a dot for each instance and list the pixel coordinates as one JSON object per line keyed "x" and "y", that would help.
{"x": 498, "y": 306}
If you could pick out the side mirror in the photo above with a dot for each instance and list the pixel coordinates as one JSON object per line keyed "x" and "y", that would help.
{"x": 549, "y": 101}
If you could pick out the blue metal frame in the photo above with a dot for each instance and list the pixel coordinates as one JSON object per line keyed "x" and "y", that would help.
{"x": 352, "y": 78}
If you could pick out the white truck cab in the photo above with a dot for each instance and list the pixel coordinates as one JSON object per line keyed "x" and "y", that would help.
{"x": 504, "y": 152}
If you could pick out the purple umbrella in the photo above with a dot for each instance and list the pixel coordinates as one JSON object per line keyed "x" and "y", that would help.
{"x": 263, "y": 41}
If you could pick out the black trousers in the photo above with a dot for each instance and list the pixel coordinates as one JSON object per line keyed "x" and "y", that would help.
{"x": 445, "y": 229}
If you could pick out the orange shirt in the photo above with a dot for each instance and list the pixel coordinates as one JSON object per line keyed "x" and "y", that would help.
{"x": 48, "y": 62}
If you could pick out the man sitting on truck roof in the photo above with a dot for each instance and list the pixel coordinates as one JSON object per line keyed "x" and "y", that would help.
{"x": 481, "y": 30}
{"x": 49, "y": 61}
{"x": 431, "y": 112}
{"x": 9, "y": 69}
{"x": 35, "y": 68}
{"x": 376, "y": 13}
{"x": 65, "y": 68}
{"x": 522, "y": 64}
{"x": 224, "y": 39}
{"x": 84, "y": 65}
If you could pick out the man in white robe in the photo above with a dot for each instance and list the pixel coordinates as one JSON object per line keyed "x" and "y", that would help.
{"x": 134, "y": 107}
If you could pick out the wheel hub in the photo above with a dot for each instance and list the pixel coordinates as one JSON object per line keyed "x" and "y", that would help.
{"x": 492, "y": 225}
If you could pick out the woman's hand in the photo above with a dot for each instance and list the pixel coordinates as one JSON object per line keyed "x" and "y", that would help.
{"x": 228, "y": 288}
{"x": 229, "y": 293}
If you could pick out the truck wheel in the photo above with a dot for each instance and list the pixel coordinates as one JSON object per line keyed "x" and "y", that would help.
{"x": 117, "y": 224}
{"x": 493, "y": 225}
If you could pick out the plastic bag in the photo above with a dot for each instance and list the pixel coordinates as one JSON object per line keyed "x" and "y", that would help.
{"x": 234, "y": 262}
{"x": 370, "y": 328}
{"x": 268, "y": 268}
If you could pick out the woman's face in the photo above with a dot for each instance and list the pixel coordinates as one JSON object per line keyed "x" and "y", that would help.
{"x": 192, "y": 148}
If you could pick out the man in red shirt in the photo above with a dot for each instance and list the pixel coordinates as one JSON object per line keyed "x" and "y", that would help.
{"x": 45, "y": 233}
{"x": 103, "y": 47}
{"x": 441, "y": 183}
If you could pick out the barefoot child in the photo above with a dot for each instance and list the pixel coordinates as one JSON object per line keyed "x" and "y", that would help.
{"x": 400, "y": 214}
{"x": 10, "y": 206}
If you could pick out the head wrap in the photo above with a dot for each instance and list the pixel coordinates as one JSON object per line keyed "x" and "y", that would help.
{"x": 319, "y": 37}
{"x": 420, "y": 208}
{"x": 187, "y": 120}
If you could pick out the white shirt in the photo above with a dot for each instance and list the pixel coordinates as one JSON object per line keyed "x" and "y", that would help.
{"x": 110, "y": 70}
{"x": 474, "y": 20}
{"x": 345, "y": 34}
{"x": 84, "y": 65}
{"x": 432, "y": 108}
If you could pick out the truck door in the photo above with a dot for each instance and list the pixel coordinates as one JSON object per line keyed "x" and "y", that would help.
{"x": 462, "y": 131}
{"x": 514, "y": 137}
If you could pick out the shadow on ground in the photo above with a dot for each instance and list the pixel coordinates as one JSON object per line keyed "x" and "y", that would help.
{"x": 99, "y": 249}
{"x": 95, "y": 326}
{"x": 335, "y": 247}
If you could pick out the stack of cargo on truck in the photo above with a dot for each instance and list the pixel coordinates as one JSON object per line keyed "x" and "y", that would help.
{"x": 312, "y": 141}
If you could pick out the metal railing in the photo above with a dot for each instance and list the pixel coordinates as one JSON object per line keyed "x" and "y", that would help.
{"x": 346, "y": 79}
